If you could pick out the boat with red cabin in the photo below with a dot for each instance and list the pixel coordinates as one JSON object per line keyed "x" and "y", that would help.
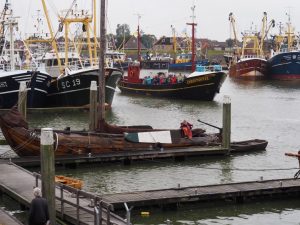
{"x": 152, "y": 78}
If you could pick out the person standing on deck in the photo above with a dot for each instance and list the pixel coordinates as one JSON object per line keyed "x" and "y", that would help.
{"x": 38, "y": 213}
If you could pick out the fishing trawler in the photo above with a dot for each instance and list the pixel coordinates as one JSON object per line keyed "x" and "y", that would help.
{"x": 251, "y": 64}
{"x": 70, "y": 88}
{"x": 285, "y": 62}
{"x": 12, "y": 71}
{"x": 152, "y": 78}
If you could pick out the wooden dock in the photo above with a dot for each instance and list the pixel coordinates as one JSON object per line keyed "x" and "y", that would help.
{"x": 127, "y": 157}
{"x": 234, "y": 192}
{"x": 70, "y": 207}
{"x": 6, "y": 219}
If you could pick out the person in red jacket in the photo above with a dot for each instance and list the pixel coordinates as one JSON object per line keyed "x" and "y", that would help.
{"x": 186, "y": 128}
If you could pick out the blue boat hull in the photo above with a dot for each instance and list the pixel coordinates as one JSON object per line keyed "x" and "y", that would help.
{"x": 284, "y": 66}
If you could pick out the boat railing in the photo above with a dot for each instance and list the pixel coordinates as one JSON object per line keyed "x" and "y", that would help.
{"x": 6, "y": 66}
{"x": 97, "y": 206}
{"x": 285, "y": 50}
{"x": 211, "y": 68}
{"x": 252, "y": 56}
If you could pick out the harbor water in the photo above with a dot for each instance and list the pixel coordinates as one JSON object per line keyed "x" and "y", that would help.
{"x": 265, "y": 110}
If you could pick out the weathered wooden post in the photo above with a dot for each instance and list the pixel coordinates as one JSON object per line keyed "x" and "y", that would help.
{"x": 22, "y": 101}
{"x": 93, "y": 106}
{"x": 226, "y": 131}
{"x": 48, "y": 171}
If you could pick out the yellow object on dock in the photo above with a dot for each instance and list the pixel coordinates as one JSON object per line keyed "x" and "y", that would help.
{"x": 72, "y": 182}
{"x": 145, "y": 213}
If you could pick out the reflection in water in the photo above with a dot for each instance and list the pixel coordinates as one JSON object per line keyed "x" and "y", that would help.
{"x": 275, "y": 212}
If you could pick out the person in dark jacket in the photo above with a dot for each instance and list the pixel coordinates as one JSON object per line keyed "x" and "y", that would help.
{"x": 38, "y": 214}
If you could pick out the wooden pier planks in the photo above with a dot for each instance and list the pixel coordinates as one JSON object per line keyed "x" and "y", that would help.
{"x": 121, "y": 156}
{"x": 6, "y": 219}
{"x": 18, "y": 183}
{"x": 235, "y": 191}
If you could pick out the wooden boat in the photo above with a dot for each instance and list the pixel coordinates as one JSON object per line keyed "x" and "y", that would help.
{"x": 249, "y": 145}
{"x": 26, "y": 142}
{"x": 69, "y": 181}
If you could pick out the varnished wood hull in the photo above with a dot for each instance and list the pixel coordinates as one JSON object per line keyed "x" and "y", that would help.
{"x": 26, "y": 142}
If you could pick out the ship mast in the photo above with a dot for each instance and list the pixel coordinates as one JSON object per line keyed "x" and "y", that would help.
{"x": 193, "y": 24}
{"x": 289, "y": 32}
{"x": 52, "y": 40}
{"x": 101, "y": 80}
{"x": 139, "y": 38}
{"x": 11, "y": 22}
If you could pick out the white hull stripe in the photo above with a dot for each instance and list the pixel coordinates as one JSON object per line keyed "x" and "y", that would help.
{"x": 282, "y": 64}
{"x": 27, "y": 89}
{"x": 7, "y": 92}
{"x": 110, "y": 88}
{"x": 16, "y": 77}
{"x": 40, "y": 90}
{"x": 40, "y": 75}
{"x": 25, "y": 79}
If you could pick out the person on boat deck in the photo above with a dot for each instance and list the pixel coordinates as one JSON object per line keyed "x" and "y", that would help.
{"x": 174, "y": 80}
{"x": 155, "y": 80}
{"x": 162, "y": 79}
{"x": 38, "y": 213}
{"x": 180, "y": 78}
{"x": 145, "y": 80}
{"x": 148, "y": 80}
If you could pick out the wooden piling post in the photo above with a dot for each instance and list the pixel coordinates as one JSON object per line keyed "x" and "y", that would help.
{"x": 93, "y": 106}
{"x": 226, "y": 131}
{"x": 48, "y": 170}
{"x": 22, "y": 101}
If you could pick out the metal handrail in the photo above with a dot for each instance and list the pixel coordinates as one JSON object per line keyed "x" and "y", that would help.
{"x": 98, "y": 203}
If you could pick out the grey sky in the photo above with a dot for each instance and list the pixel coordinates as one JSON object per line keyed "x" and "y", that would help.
{"x": 159, "y": 15}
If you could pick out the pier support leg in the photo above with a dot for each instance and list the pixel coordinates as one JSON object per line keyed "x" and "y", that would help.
{"x": 93, "y": 106}
{"x": 22, "y": 101}
{"x": 226, "y": 131}
{"x": 48, "y": 170}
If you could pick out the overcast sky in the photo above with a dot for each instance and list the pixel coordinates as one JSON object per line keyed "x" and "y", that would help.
{"x": 157, "y": 16}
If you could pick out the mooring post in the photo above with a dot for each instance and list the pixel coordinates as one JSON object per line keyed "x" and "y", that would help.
{"x": 48, "y": 171}
{"x": 226, "y": 131}
{"x": 93, "y": 106}
{"x": 22, "y": 101}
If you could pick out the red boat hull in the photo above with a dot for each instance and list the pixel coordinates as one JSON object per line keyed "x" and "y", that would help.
{"x": 249, "y": 69}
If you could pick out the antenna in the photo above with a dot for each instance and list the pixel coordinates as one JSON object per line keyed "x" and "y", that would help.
{"x": 193, "y": 12}
{"x": 139, "y": 16}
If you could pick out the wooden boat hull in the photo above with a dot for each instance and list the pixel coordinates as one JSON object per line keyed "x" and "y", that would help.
{"x": 249, "y": 145}
{"x": 74, "y": 90}
{"x": 203, "y": 87}
{"x": 26, "y": 142}
{"x": 249, "y": 69}
{"x": 37, "y": 88}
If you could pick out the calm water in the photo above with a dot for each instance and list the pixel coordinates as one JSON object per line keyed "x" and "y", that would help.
{"x": 265, "y": 110}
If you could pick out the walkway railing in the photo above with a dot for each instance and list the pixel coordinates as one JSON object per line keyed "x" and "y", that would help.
{"x": 100, "y": 208}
